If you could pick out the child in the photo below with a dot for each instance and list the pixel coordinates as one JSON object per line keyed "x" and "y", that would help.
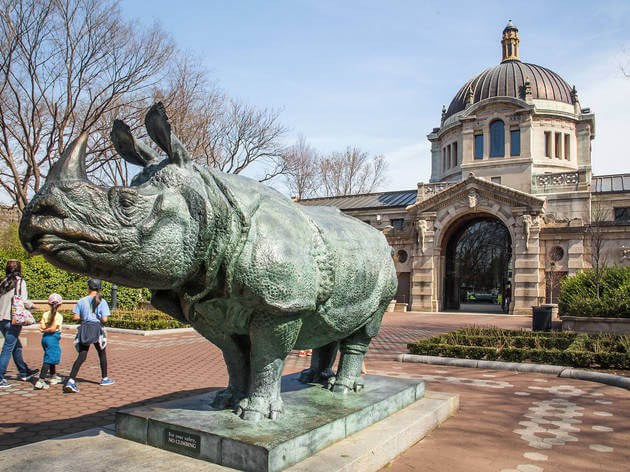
{"x": 93, "y": 312}
{"x": 50, "y": 327}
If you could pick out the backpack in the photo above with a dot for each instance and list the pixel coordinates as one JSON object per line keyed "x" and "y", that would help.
{"x": 20, "y": 316}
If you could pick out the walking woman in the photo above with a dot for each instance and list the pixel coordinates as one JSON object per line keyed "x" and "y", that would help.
{"x": 93, "y": 312}
{"x": 11, "y": 285}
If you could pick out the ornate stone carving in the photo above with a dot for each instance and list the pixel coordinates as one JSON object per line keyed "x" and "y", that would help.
{"x": 527, "y": 223}
{"x": 251, "y": 270}
{"x": 432, "y": 189}
{"x": 422, "y": 229}
{"x": 473, "y": 199}
{"x": 625, "y": 253}
{"x": 561, "y": 178}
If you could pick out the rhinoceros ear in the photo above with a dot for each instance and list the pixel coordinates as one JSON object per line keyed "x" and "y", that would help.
{"x": 159, "y": 130}
{"x": 158, "y": 127}
{"x": 134, "y": 152}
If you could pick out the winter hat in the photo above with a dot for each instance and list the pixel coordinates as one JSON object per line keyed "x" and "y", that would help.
{"x": 55, "y": 299}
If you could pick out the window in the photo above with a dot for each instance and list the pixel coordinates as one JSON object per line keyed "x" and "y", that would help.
{"x": 397, "y": 223}
{"x": 497, "y": 139}
{"x": 443, "y": 159}
{"x": 448, "y": 159}
{"x": 547, "y": 143}
{"x": 515, "y": 142}
{"x": 495, "y": 180}
{"x": 559, "y": 145}
{"x": 479, "y": 146}
{"x": 454, "y": 154}
{"x": 567, "y": 147}
{"x": 402, "y": 256}
{"x": 622, "y": 215}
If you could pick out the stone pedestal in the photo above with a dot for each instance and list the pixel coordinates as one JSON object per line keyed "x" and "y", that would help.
{"x": 313, "y": 419}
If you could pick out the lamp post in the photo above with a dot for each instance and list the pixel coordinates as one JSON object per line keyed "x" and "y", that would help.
{"x": 114, "y": 296}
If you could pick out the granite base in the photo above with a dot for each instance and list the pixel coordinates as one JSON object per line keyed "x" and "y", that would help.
{"x": 313, "y": 419}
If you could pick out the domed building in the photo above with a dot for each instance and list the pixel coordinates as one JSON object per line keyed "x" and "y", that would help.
{"x": 511, "y": 207}
{"x": 512, "y": 122}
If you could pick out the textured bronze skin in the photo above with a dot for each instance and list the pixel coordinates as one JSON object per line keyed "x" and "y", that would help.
{"x": 255, "y": 273}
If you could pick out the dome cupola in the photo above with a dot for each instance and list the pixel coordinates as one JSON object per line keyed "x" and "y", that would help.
{"x": 511, "y": 78}
{"x": 509, "y": 42}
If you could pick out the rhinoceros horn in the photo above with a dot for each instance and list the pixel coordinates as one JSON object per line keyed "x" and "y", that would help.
{"x": 71, "y": 164}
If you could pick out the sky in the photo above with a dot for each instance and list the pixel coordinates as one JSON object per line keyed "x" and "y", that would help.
{"x": 375, "y": 74}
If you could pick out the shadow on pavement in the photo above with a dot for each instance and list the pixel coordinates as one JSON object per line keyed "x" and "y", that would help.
{"x": 31, "y": 432}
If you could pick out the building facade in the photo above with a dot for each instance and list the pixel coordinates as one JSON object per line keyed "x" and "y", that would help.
{"x": 512, "y": 206}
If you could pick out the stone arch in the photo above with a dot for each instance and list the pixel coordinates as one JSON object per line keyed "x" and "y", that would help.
{"x": 447, "y": 222}
{"x": 451, "y": 279}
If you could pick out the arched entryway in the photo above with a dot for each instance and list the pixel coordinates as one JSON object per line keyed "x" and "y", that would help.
{"x": 478, "y": 265}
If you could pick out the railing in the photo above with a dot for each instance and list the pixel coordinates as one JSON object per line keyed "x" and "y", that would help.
{"x": 560, "y": 178}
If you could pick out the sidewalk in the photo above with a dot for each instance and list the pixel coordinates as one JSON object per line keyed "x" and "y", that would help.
{"x": 580, "y": 425}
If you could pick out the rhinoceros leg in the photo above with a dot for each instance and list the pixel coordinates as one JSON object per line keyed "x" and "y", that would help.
{"x": 272, "y": 338}
{"x": 353, "y": 350}
{"x": 237, "y": 362}
{"x": 321, "y": 364}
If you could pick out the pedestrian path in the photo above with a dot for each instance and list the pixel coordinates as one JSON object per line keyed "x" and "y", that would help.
{"x": 507, "y": 421}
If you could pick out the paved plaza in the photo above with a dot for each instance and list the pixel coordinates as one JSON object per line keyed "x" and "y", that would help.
{"x": 507, "y": 421}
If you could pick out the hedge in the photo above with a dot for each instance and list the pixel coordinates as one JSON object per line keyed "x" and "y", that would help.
{"x": 130, "y": 319}
{"x": 605, "y": 351}
{"x": 578, "y": 295}
{"x": 42, "y": 278}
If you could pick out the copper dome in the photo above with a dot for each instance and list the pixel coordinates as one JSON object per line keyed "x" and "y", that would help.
{"x": 508, "y": 80}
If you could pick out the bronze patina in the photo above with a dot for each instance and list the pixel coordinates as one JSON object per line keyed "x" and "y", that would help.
{"x": 255, "y": 273}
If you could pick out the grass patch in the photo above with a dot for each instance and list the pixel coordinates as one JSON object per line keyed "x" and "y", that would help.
{"x": 599, "y": 351}
{"x": 130, "y": 319}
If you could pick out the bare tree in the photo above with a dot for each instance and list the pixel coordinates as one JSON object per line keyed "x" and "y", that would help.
{"x": 302, "y": 176}
{"x": 217, "y": 130}
{"x": 65, "y": 65}
{"x": 241, "y": 134}
{"x": 351, "y": 172}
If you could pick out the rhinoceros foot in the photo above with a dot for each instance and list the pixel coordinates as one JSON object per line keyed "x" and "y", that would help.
{"x": 258, "y": 408}
{"x": 226, "y": 398}
{"x": 308, "y": 376}
{"x": 344, "y": 385}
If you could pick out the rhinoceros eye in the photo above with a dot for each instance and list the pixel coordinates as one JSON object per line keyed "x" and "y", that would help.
{"x": 124, "y": 203}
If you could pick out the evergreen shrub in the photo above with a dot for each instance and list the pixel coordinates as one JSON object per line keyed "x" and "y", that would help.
{"x": 578, "y": 296}
{"x": 129, "y": 319}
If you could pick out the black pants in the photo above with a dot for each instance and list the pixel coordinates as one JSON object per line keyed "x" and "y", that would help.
{"x": 45, "y": 368}
{"x": 83, "y": 350}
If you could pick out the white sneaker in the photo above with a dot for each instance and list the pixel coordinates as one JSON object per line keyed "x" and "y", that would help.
{"x": 55, "y": 380}
{"x": 41, "y": 385}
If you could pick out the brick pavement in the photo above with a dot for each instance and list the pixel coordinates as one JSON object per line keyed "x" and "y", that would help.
{"x": 158, "y": 368}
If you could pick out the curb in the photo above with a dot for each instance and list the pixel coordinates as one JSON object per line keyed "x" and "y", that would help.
{"x": 135, "y": 332}
{"x": 560, "y": 371}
